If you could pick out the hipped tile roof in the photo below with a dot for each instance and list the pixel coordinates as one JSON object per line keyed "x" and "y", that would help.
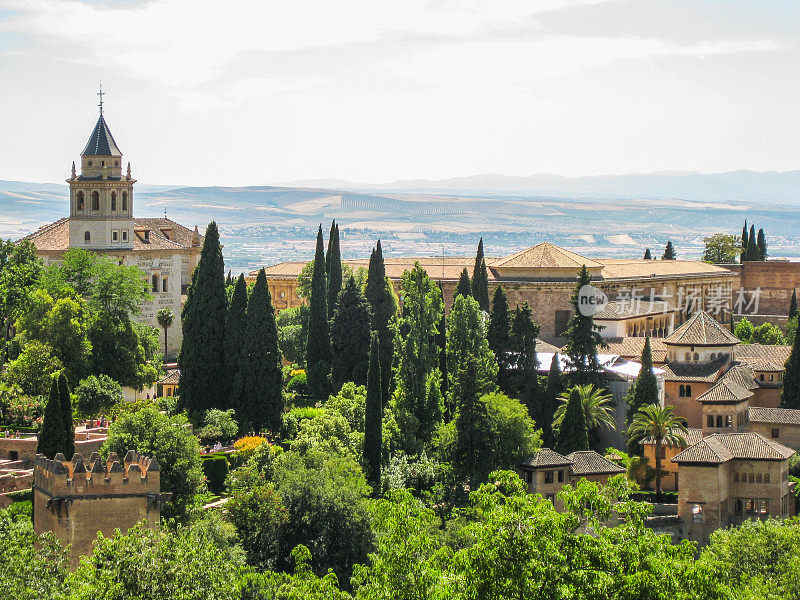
{"x": 786, "y": 416}
{"x": 545, "y": 255}
{"x": 701, "y": 330}
{"x": 589, "y": 462}
{"x": 546, "y": 458}
{"x": 721, "y": 447}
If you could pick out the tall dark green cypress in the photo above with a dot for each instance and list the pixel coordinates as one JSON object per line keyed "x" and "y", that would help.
{"x": 350, "y": 337}
{"x": 318, "y": 352}
{"x": 236, "y": 329}
{"x": 646, "y": 385}
{"x": 523, "y": 341}
{"x": 669, "y": 252}
{"x": 204, "y": 372}
{"x": 743, "y": 255}
{"x": 647, "y": 255}
{"x": 473, "y": 429}
{"x": 583, "y": 339}
{"x": 790, "y": 395}
{"x": 499, "y": 336}
{"x": 373, "y": 415}
{"x": 752, "y": 246}
{"x": 51, "y": 436}
{"x": 441, "y": 341}
{"x": 480, "y": 280}
{"x": 464, "y": 287}
{"x": 257, "y": 387}
{"x": 66, "y": 416}
{"x": 761, "y": 244}
{"x": 573, "y": 435}
{"x": 228, "y": 279}
{"x": 793, "y": 305}
{"x": 383, "y": 304}
{"x": 333, "y": 269}
{"x": 555, "y": 386}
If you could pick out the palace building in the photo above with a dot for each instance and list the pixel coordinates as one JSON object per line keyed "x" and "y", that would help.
{"x": 101, "y": 219}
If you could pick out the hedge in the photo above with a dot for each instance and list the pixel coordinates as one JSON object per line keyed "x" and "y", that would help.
{"x": 215, "y": 469}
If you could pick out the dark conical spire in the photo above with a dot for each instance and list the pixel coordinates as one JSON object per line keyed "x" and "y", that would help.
{"x": 101, "y": 142}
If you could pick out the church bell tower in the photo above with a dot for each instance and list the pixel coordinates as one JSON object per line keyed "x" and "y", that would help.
{"x": 101, "y": 198}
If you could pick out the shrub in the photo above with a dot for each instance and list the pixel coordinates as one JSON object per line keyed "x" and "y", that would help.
{"x": 298, "y": 384}
{"x": 215, "y": 468}
{"x": 219, "y": 425}
{"x": 97, "y": 394}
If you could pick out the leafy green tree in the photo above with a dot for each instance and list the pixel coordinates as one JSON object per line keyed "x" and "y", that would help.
{"x": 583, "y": 339}
{"x": 350, "y": 337}
{"x": 790, "y": 394}
{"x": 20, "y": 272}
{"x": 659, "y": 423}
{"x": 97, "y": 394}
{"x": 761, "y": 244}
{"x": 417, "y": 393}
{"x": 204, "y": 370}
{"x": 767, "y": 334}
{"x": 473, "y": 442}
{"x": 646, "y": 385}
{"x": 373, "y": 415}
{"x": 125, "y": 350}
{"x": 573, "y": 434}
{"x": 218, "y": 425}
{"x": 499, "y": 336}
{"x": 752, "y": 246}
{"x": 292, "y": 326}
{"x": 744, "y": 330}
{"x": 669, "y": 252}
{"x": 464, "y": 287}
{"x": 236, "y": 332}
{"x": 333, "y": 269}
{"x": 647, "y": 255}
{"x": 168, "y": 440}
{"x": 467, "y": 346}
{"x": 793, "y": 305}
{"x": 318, "y": 353}
{"x": 384, "y": 306}
{"x": 514, "y": 436}
{"x": 257, "y": 387}
{"x": 480, "y": 279}
{"x": 526, "y": 367}
{"x": 259, "y": 516}
{"x": 32, "y": 371}
{"x": 721, "y": 248}
{"x": 52, "y": 437}
{"x": 165, "y": 318}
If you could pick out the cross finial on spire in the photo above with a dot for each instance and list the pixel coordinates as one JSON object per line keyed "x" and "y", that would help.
{"x": 100, "y": 93}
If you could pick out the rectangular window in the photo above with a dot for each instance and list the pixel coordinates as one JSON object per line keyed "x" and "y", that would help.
{"x": 710, "y": 421}
{"x": 561, "y": 476}
{"x": 124, "y": 235}
{"x": 164, "y": 284}
{"x": 776, "y": 433}
{"x": 758, "y": 477}
{"x": 115, "y": 236}
{"x": 548, "y": 476}
{"x": 663, "y": 452}
{"x": 528, "y": 476}
{"x": 766, "y": 477}
{"x": 561, "y": 319}
{"x": 739, "y": 506}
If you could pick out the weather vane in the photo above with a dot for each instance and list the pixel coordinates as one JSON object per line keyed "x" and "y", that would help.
{"x": 100, "y": 93}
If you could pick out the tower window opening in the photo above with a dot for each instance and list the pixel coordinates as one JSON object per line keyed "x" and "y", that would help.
{"x": 163, "y": 284}
{"x": 95, "y": 200}
{"x": 124, "y": 202}
{"x": 81, "y": 202}
{"x": 155, "y": 283}
{"x": 87, "y": 237}
{"x": 113, "y": 200}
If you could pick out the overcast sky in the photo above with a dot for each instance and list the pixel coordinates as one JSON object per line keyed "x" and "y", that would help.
{"x": 256, "y": 91}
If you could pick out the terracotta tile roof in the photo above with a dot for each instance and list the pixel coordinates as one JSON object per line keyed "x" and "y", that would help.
{"x": 741, "y": 375}
{"x": 725, "y": 392}
{"x": 762, "y": 357}
{"x": 589, "y": 462}
{"x": 701, "y": 330}
{"x": 707, "y": 372}
{"x": 621, "y": 268}
{"x": 546, "y": 458}
{"x": 542, "y": 346}
{"x": 632, "y": 347}
{"x": 545, "y": 255}
{"x": 786, "y": 416}
{"x": 165, "y": 234}
{"x": 172, "y": 377}
{"x": 722, "y": 447}
{"x": 691, "y": 437}
{"x": 395, "y": 267}
{"x": 618, "y": 310}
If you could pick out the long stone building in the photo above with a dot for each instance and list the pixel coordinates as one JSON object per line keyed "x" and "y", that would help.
{"x": 544, "y": 276}
{"x": 101, "y": 219}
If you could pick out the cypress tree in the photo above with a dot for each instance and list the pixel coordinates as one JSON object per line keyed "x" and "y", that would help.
{"x": 480, "y": 279}
{"x": 333, "y": 269}
{"x": 790, "y": 395}
{"x": 373, "y": 415}
{"x": 318, "y": 351}
{"x": 583, "y": 339}
{"x": 647, "y": 255}
{"x": 646, "y": 386}
{"x": 793, "y": 305}
{"x": 523, "y": 341}
{"x": 573, "y": 435}
{"x": 441, "y": 341}
{"x": 669, "y": 252}
{"x": 204, "y": 373}
{"x": 257, "y": 387}
{"x": 499, "y": 336}
{"x": 236, "y": 328}
{"x": 473, "y": 429}
{"x": 51, "y": 436}
{"x": 464, "y": 287}
{"x": 761, "y": 244}
{"x": 555, "y": 386}
{"x": 350, "y": 337}
{"x": 66, "y": 416}
{"x": 228, "y": 279}
{"x": 743, "y": 255}
{"x": 383, "y": 307}
{"x": 752, "y": 247}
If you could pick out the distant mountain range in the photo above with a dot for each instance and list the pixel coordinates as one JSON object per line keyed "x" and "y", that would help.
{"x": 747, "y": 186}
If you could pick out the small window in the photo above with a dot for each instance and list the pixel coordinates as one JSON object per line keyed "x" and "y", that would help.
{"x": 766, "y": 477}
{"x": 728, "y": 420}
{"x": 761, "y": 377}
{"x": 115, "y": 236}
{"x": 771, "y": 377}
{"x": 124, "y": 235}
{"x": 751, "y": 478}
{"x": 681, "y": 391}
{"x": 688, "y": 356}
{"x": 164, "y": 284}
{"x": 155, "y": 283}
{"x": 663, "y": 452}
{"x": 125, "y": 202}
{"x": 95, "y": 201}
{"x": 528, "y": 476}
{"x": 561, "y": 476}
{"x": 81, "y": 202}
{"x": 710, "y": 421}
{"x": 719, "y": 421}
{"x": 736, "y": 477}
{"x": 776, "y": 433}
{"x": 758, "y": 477}
{"x": 696, "y": 357}
{"x": 688, "y": 391}
{"x": 146, "y": 235}
{"x": 87, "y": 237}
{"x": 114, "y": 201}
{"x": 548, "y": 476}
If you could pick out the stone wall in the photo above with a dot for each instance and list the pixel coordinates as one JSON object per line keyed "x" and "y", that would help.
{"x": 776, "y": 279}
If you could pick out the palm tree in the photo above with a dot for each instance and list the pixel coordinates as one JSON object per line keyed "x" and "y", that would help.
{"x": 660, "y": 424}
{"x": 597, "y": 407}
{"x": 165, "y": 318}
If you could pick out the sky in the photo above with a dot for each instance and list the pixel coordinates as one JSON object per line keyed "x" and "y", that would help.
{"x": 254, "y": 92}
